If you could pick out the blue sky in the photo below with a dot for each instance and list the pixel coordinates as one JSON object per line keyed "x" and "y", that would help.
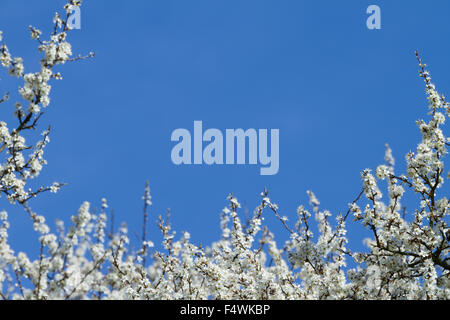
{"x": 336, "y": 91}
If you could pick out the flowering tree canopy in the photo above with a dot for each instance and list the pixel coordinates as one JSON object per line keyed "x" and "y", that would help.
{"x": 407, "y": 256}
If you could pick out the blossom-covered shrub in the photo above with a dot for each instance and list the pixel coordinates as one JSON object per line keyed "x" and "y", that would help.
{"x": 407, "y": 256}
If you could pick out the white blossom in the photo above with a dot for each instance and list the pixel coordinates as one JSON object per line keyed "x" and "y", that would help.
{"x": 406, "y": 255}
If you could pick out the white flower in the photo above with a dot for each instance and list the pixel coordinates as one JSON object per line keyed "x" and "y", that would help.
{"x": 55, "y": 187}
{"x": 34, "y": 108}
{"x": 383, "y": 172}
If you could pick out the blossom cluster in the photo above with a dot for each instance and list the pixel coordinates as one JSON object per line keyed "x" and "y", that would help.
{"x": 407, "y": 256}
{"x": 23, "y": 160}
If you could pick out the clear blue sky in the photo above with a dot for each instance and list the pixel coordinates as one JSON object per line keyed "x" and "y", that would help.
{"x": 336, "y": 91}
